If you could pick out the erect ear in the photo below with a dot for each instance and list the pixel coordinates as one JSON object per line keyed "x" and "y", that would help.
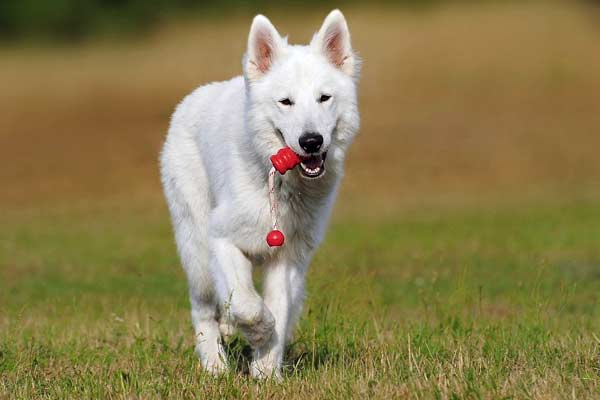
{"x": 333, "y": 40}
{"x": 264, "y": 46}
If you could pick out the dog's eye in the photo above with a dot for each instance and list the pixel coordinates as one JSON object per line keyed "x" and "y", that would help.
{"x": 286, "y": 102}
{"x": 324, "y": 98}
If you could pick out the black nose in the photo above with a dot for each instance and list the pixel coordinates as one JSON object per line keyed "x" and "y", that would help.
{"x": 311, "y": 142}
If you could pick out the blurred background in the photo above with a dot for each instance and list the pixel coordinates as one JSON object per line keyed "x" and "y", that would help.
{"x": 470, "y": 207}
{"x": 462, "y": 102}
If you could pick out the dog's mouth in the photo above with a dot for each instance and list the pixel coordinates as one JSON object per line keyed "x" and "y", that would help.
{"x": 313, "y": 166}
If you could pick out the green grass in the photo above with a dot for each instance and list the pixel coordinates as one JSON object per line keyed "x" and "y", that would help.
{"x": 499, "y": 302}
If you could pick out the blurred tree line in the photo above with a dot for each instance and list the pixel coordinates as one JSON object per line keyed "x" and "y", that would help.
{"x": 72, "y": 20}
{"x": 76, "y": 19}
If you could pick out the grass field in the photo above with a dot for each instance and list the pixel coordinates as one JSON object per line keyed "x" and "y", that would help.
{"x": 501, "y": 303}
{"x": 468, "y": 267}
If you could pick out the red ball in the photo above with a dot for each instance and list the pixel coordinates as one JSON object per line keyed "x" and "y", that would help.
{"x": 275, "y": 238}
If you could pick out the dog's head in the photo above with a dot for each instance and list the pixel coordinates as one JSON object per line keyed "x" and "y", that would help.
{"x": 303, "y": 97}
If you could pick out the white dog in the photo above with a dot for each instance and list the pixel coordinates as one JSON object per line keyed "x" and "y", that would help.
{"x": 214, "y": 168}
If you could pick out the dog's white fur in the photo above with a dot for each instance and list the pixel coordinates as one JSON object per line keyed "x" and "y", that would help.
{"x": 214, "y": 168}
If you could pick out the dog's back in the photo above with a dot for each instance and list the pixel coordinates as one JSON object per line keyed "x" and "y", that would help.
{"x": 203, "y": 134}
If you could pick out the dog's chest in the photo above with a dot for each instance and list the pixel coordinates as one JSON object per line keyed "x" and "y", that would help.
{"x": 298, "y": 215}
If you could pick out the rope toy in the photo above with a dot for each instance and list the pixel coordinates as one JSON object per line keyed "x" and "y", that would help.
{"x": 284, "y": 160}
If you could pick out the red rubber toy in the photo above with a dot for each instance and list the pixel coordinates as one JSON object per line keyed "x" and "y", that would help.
{"x": 284, "y": 160}
{"x": 275, "y": 238}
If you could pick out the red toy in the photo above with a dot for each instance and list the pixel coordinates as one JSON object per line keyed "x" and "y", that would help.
{"x": 275, "y": 238}
{"x": 283, "y": 161}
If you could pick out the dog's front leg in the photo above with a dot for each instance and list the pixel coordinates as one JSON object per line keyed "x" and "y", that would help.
{"x": 232, "y": 272}
{"x": 283, "y": 284}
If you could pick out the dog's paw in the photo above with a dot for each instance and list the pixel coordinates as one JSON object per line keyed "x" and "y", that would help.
{"x": 216, "y": 365}
{"x": 259, "y": 329}
{"x": 266, "y": 369}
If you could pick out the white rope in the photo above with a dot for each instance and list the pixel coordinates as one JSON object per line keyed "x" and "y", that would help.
{"x": 273, "y": 198}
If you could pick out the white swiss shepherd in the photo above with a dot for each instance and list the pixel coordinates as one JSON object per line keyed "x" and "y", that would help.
{"x": 214, "y": 168}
